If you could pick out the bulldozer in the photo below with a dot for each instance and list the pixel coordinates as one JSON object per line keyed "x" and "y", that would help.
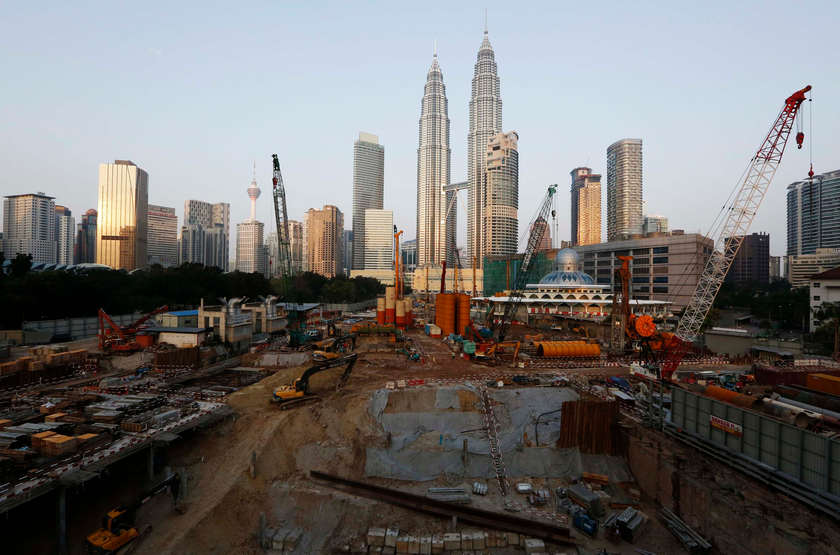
{"x": 298, "y": 392}
{"x": 118, "y": 527}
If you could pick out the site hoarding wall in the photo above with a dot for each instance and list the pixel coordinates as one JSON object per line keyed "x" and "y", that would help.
{"x": 800, "y": 455}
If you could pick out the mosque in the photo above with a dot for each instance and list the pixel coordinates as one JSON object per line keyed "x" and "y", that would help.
{"x": 566, "y": 292}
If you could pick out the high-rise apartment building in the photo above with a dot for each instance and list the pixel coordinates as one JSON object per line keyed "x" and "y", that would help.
{"x": 65, "y": 235}
{"x": 250, "y": 251}
{"x": 213, "y": 219}
{"x": 545, "y": 241}
{"x": 86, "y": 238}
{"x": 296, "y": 245}
{"x": 29, "y": 227}
{"x": 775, "y": 270}
{"x": 500, "y": 205}
{"x": 813, "y": 214}
{"x": 655, "y": 224}
{"x": 368, "y": 189}
{"x": 379, "y": 239}
{"x": 322, "y": 240}
{"x": 586, "y": 207}
{"x": 624, "y": 189}
{"x": 192, "y": 244}
{"x": 752, "y": 261}
{"x": 121, "y": 237}
{"x": 347, "y": 251}
{"x": 272, "y": 251}
{"x": 163, "y": 236}
{"x": 433, "y": 159}
{"x": 485, "y": 123}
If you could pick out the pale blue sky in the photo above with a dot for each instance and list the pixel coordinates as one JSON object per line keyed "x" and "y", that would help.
{"x": 195, "y": 91}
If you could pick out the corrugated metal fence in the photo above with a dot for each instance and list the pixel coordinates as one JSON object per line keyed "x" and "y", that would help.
{"x": 801, "y": 456}
{"x": 77, "y": 328}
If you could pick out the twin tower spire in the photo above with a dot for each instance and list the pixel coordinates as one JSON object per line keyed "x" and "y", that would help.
{"x": 436, "y": 210}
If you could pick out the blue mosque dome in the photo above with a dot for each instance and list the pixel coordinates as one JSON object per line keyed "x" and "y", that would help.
{"x": 565, "y": 271}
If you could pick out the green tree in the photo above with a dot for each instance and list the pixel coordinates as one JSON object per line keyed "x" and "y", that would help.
{"x": 21, "y": 264}
{"x": 827, "y": 333}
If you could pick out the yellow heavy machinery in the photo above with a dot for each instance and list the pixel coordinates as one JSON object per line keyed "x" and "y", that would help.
{"x": 334, "y": 347}
{"x": 297, "y": 393}
{"x": 118, "y": 529}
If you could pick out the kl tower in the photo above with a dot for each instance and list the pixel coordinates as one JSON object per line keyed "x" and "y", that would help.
{"x": 253, "y": 194}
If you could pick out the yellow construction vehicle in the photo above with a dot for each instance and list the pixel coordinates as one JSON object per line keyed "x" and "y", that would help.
{"x": 118, "y": 528}
{"x": 298, "y": 392}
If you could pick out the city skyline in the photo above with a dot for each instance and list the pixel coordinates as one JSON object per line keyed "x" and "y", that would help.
{"x": 681, "y": 169}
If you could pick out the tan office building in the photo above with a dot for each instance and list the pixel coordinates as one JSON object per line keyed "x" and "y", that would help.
{"x": 122, "y": 211}
{"x": 586, "y": 207}
{"x": 323, "y": 230}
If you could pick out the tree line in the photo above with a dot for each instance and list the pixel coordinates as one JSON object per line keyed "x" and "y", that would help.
{"x": 27, "y": 295}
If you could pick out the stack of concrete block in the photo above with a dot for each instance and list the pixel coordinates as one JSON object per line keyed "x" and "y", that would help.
{"x": 533, "y": 546}
{"x": 282, "y": 540}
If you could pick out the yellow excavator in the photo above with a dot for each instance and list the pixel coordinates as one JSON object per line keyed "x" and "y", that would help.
{"x": 298, "y": 392}
{"x": 118, "y": 529}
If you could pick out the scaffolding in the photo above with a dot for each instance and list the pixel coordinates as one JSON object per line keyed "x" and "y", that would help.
{"x": 500, "y": 271}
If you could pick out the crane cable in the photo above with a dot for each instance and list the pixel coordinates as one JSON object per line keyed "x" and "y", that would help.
{"x": 811, "y": 135}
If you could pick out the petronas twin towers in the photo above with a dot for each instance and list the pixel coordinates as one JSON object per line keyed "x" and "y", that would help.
{"x": 435, "y": 209}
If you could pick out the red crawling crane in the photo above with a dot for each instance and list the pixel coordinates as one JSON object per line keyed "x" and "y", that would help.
{"x": 736, "y": 223}
{"x": 122, "y": 339}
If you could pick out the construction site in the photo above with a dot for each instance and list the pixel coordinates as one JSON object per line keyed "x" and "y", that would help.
{"x": 440, "y": 422}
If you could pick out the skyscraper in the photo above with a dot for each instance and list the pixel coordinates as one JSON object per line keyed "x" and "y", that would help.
{"x": 586, "y": 207}
{"x": 211, "y": 219}
{"x": 296, "y": 245}
{"x": 752, "y": 262}
{"x": 121, "y": 238}
{"x": 250, "y": 251}
{"x": 86, "y": 238}
{"x": 323, "y": 232}
{"x": 485, "y": 122}
{"x": 65, "y": 235}
{"x": 813, "y": 218}
{"x": 379, "y": 237}
{"x": 500, "y": 205}
{"x": 624, "y": 189}
{"x": 433, "y": 158}
{"x": 163, "y": 236}
{"x": 29, "y": 227}
{"x": 347, "y": 251}
{"x": 272, "y": 250}
{"x": 368, "y": 189}
{"x": 545, "y": 242}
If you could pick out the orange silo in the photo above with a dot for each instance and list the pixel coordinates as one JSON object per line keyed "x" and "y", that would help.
{"x": 400, "y": 314}
{"x": 462, "y": 319}
{"x": 380, "y": 311}
{"x": 390, "y": 304}
{"x": 445, "y": 312}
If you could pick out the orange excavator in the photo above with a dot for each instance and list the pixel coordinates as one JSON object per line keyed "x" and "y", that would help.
{"x": 114, "y": 338}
